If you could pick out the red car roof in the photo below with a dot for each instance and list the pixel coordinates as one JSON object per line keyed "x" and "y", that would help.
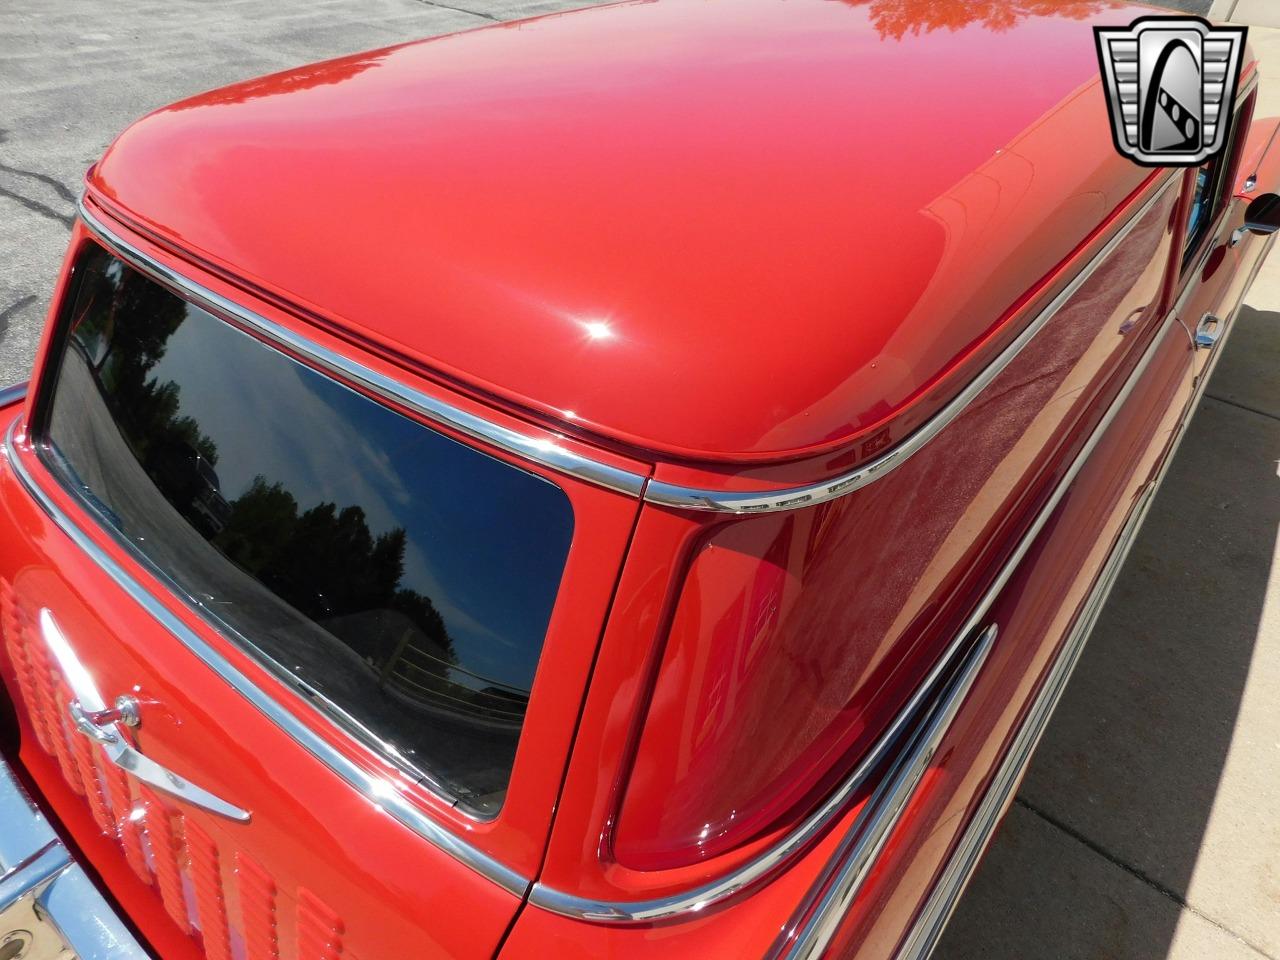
{"x": 711, "y": 229}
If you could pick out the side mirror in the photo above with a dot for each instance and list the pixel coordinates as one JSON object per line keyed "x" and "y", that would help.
{"x": 1262, "y": 216}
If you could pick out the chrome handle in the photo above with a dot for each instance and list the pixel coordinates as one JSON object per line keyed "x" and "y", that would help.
{"x": 1208, "y": 330}
{"x": 93, "y": 718}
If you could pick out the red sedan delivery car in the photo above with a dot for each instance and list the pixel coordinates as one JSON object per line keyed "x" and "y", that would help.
{"x": 625, "y": 484}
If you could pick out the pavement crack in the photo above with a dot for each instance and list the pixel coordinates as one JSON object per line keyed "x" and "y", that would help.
{"x": 35, "y": 206}
{"x": 1134, "y": 872}
{"x": 474, "y": 13}
{"x": 60, "y": 188}
{"x": 8, "y": 312}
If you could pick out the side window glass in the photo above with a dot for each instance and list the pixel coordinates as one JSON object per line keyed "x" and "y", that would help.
{"x": 1214, "y": 181}
{"x": 1199, "y": 216}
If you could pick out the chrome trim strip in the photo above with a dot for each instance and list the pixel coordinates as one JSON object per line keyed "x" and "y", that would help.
{"x": 691, "y": 498}
{"x": 942, "y": 902}
{"x": 37, "y": 868}
{"x": 664, "y": 908}
{"x": 547, "y": 453}
{"x": 925, "y": 934}
{"x": 804, "y": 946}
{"x": 829, "y": 898}
{"x": 753, "y": 871}
{"x": 380, "y": 791}
{"x": 12, "y": 394}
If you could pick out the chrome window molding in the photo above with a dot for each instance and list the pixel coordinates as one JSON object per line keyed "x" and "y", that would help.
{"x": 380, "y": 791}
{"x": 691, "y": 498}
{"x": 12, "y": 394}
{"x": 305, "y": 691}
{"x": 546, "y": 452}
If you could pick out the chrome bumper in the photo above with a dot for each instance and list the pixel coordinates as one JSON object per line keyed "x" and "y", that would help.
{"x": 46, "y": 901}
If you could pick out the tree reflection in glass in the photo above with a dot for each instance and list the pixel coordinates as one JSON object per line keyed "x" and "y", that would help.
{"x": 406, "y": 577}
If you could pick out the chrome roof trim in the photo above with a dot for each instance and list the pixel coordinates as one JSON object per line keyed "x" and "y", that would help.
{"x": 691, "y": 498}
{"x": 545, "y": 452}
{"x": 12, "y": 394}
{"x": 381, "y": 792}
{"x": 877, "y": 820}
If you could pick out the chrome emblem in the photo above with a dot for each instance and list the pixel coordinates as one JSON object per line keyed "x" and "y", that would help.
{"x": 1170, "y": 84}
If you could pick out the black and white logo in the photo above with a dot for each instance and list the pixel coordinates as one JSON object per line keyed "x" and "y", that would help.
{"x": 1170, "y": 85}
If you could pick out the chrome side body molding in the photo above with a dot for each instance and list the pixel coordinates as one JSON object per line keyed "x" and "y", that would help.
{"x": 942, "y": 902}
{"x": 94, "y": 719}
{"x": 829, "y": 899}
{"x": 939, "y": 687}
{"x": 850, "y": 865}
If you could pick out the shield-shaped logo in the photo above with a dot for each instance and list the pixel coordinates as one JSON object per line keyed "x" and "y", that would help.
{"x": 1170, "y": 82}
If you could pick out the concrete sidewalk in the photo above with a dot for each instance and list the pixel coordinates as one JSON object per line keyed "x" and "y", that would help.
{"x": 1147, "y": 826}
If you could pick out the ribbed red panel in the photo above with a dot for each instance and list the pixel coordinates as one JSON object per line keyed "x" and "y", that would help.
{"x": 128, "y": 830}
{"x": 257, "y": 910}
{"x": 11, "y": 627}
{"x": 82, "y": 751}
{"x": 211, "y": 906}
{"x": 166, "y": 846}
{"x": 54, "y": 699}
{"x": 137, "y": 816}
{"x": 320, "y": 930}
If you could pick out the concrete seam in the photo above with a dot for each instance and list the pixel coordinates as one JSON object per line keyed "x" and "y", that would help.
{"x": 1242, "y": 406}
{"x": 1134, "y": 872}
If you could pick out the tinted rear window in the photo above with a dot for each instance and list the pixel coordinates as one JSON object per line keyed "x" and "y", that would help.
{"x": 405, "y": 577}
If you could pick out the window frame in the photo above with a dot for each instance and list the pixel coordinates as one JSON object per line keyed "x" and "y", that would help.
{"x": 1224, "y": 169}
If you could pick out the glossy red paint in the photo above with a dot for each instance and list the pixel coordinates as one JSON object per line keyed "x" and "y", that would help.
{"x": 714, "y": 231}
{"x": 794, "y": 645}
{"x": 695, "y": 240}
{"x": 1035, "y": 611}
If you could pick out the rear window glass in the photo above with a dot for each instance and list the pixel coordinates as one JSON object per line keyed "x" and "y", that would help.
{"x": 403, "y": 576}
